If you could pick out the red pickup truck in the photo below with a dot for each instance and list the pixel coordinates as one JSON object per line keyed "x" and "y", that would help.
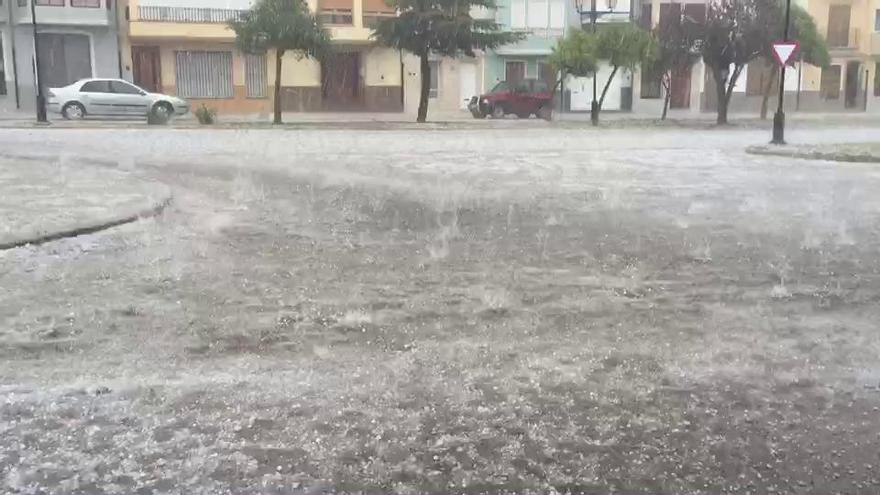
{"x": 525, "y": 98}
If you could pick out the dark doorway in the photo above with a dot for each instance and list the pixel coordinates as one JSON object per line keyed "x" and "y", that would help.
{"x": 64, "y": 59}
{"x": 680, "y": 90}
{"x": 147, "y": 68}
{"x": 851, "y": 93}
{"x": 340, "y": 81}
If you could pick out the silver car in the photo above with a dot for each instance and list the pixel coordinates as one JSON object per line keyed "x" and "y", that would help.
{"x": 111, "y": 97}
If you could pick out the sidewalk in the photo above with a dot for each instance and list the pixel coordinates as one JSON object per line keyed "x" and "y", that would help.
{"x": 453, "y": 119}
{"x": 46, "y": 199}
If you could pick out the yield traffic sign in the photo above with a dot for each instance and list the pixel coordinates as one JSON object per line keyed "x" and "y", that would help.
{"x": 785, "y": 50}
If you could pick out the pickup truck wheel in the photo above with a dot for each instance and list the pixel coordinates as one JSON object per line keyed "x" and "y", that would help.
{"x": 545, "y": 113}
{"x": 498, "y": 112}
{"x": 523, "y": 115}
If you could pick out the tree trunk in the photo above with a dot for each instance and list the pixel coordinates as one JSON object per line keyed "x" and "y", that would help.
{"x": 721, "y": 93}
{"x": 279, "y": 54}
{"x": 667, "y": 87}
{"x": 605, "y": 89}
{"x": 767, "y": 88}
{"x": 426, "y": 88}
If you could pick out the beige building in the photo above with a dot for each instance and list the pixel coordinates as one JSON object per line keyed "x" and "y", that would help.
{"x": 850, "y": 83}
{"x": 184, "y": 47}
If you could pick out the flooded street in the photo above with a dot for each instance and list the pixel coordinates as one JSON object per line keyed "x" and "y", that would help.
{"x": 511, "y": 309}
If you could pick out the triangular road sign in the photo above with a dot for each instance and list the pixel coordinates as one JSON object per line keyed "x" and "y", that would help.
{"x": 784, "y": 50}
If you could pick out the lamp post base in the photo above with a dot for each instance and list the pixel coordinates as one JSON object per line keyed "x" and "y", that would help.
{"x": 41, "y": 108}
{"x": 778, "y": 128}
{"x": 594, "y": 112}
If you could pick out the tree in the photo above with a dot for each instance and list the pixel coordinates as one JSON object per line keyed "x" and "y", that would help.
{"x": 283, "y": 25}
{"x": 622, "y": 46}
{"x": 441, "y": 27}
{"x": 677, "y": 41}
{"x": 736, "y": 32}
{"x": 813, "y": 49}
{"x": 574, "y": 55}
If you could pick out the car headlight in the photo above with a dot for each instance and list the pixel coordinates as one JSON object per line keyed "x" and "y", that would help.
{"x": 485, "y": 101}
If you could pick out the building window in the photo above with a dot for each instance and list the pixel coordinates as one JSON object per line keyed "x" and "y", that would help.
{"x": 877, "y": 20}
{"x": 435, "y": 79}
{"x": 537, "y": 15}
{"x": 204, "y": 74}
{"x": 838, "y": 26}
{"x": 650, "y": 82}
{"x": 829, "y": 87}
{"x": 92, "y": 4}
{"x": 255, "y": 72}
{"x": 48, "y": 3}
{"x": 514, "y": 71}
{"x": 2, "y": 66}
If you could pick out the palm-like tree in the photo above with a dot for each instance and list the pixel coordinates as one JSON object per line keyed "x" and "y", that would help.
{"x": 440, "y": 27}
{"x": 282, "y": 25}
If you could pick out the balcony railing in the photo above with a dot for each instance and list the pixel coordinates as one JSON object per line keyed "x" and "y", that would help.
{"x": 372, "y": 19}
{"x": 841, "y": 41}
{"x": 336, "y": 17}
{"x": 188, "y": 14}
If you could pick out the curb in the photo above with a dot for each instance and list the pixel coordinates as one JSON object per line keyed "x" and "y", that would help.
{"x": 150, "y": 212}
{"x": 814, "y": 155}
{"x": 88, "y": 229}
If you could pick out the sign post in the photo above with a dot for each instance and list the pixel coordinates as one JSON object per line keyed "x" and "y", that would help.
{"x": 783, "y": 51}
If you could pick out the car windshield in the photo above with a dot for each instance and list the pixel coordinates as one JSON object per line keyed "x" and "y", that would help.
{"x": 515, "y": 253}
{"x": 501, "y": 87}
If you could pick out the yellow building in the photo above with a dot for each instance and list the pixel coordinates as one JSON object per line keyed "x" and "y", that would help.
{"x": 178, "y": 47}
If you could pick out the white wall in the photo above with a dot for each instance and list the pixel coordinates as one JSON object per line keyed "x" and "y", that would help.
{"x": 582, "y": 89}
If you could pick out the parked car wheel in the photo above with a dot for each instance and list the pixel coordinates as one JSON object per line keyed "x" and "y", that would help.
{"x": 498, "y": 112}
{"x": 73, "y": 111}
{"x": 160, "y": 114}
{"x": 523, "y": 115}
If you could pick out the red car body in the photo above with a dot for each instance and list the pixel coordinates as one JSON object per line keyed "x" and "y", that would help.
{"x": 526, "y": 98}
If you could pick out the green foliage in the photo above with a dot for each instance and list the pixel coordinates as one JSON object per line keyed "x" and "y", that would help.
{"x": 814, "y": 50}
{"x": 625, "y": 45}
{"x": 281, "y": 25}
{"x": 442, "y": 27}
{"x": 205, "y": 115}
{"x": 575, "y": 54}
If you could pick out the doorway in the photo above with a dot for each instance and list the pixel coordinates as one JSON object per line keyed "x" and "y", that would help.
{"x": 851, "y": 91}
{"x": 340, "y": 81}
{"x": 147, "y": 68}
{"x": 680, "y": 88}
{"x": 64, "y": 59}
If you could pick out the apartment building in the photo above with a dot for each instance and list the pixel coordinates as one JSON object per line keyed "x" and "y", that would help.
{"x": 850, "y": 83}
{"x": 184, "y": 47}
{"x": 76, "y": 39}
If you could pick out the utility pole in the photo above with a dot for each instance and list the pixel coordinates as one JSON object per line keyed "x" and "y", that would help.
{"x": 594, "y": 106}
{"x": 779, "y": 118}
{"x": 41, "y": 98}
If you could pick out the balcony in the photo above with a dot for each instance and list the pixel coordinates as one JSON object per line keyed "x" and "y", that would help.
{"x": 188, "y": 14}
{"x": 336, "y": 17}
{"x": 372, "y": 19}
{"x": 64, "y": 12}
{"x": 844, "y": 41}
{"x": 156, "y": 22}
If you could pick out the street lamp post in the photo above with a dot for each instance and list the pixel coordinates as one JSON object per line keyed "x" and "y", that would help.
{"x": 779, "y": 117}
{"x": 41, "y": 98}
{"x": 594, "y": 16}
